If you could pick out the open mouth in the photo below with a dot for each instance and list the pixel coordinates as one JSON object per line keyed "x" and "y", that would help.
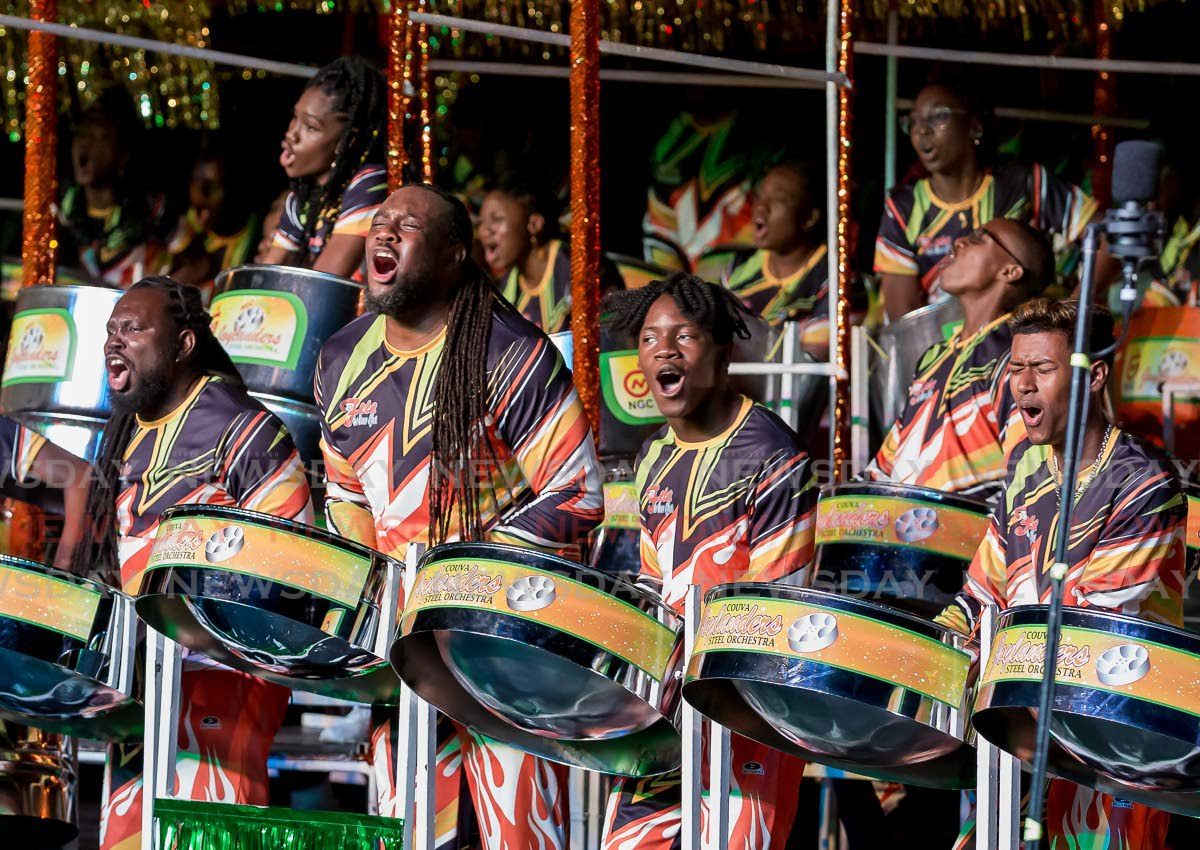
{"x": 383, "y": 266}
{"x": 670, "y": 381}
{"x": 287, "y": 158}
{"x": 490, "y": 250}
{"x": 1032, "y": 415}
{"x": 119, "y": 374}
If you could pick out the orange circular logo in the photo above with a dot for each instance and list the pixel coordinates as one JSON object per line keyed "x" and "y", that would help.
{"x": 636, "y": 384}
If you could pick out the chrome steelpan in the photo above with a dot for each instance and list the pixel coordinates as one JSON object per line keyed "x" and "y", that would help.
{"x": 287, "y": 602}
{"x": 66, "y": 653}
{"x": 896, "y": 544}
{"x": 1126, "y": 716}
{"x": 546, "y": 655}
{"x": 37, "y": 788}
{"x": 901, "y": 345}
{"x": 842, "y": 682}
{"x": 273, "y": 321}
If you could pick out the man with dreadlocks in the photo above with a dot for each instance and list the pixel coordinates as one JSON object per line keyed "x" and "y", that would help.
{"x": 184, "y": 430}
{"x": 726, "y": 495}
{"x": 333, "y": 154}
{"x": 447, "y": 415}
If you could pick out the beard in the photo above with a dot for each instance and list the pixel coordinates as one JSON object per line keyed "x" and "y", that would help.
{"x": 402, "y": 296}
{"x": 149, "y": 391}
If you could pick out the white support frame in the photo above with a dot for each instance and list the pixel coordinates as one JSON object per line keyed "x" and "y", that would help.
{"x": 416, "y": 730}
{"x": 164, "y": 665}
{"x": 997, "y": 774}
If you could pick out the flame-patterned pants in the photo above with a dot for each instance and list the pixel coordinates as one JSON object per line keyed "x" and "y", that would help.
{"x": 1079, "y": 818}
{"x": 647, "y": 814}
{"x": 226, "y": 725}
{"x": 519, "y": 800}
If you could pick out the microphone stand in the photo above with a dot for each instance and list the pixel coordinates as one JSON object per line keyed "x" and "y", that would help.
{"x": 1076, "y": 420}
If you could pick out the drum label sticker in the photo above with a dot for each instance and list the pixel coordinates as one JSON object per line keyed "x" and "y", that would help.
{"x": 1099, "y": 660}
{"x": 547, "y": 598}
{"x": 892, "y": 521}
{"x": 41, "y": 347}
{"x": 260, "y": 327}
{"x": 626, "y": 390}
{"x": 262, "y": 553}
{"x": 834, "y": 637}
{"x": 49, "y": 602}
{"x": 1151, "y": 360}
{"x": 621, "y": 505}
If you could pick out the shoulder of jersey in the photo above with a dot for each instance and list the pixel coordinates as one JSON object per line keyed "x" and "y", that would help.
{"x": 227, "y": 398}
{"x": 509, "y": 326}
{"x": 767, "y": 432}
{"x": 901, "y": 194}
{"x": 1144, "y": 457}
{"x": 342, "y": 342}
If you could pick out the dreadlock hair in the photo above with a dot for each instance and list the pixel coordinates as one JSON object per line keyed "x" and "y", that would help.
{"x": 713, "y": 307}
{"x": 359, "y": 91}
{"x": 463, "y": 456}
{"x": 97, "y": 552}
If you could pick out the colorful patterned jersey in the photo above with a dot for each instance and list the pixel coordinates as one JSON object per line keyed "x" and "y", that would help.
{"x": 1127, "y": 532}
{"x": 960, "y": 421}
{"x": 19, "y": 447}
{"x": 377, "y": 436}
{"x": 918, "y": 228}
{"x": 738, "y": 507}
{"x": 547, "y": 305}
{"x": 218, "y": 447}
{"x": 363, "y": 196}
{"x": 801, "y": 295}
{"x": 116, "y": 246}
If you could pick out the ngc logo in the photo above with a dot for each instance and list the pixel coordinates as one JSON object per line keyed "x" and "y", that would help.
{"x": 636, "y": 384}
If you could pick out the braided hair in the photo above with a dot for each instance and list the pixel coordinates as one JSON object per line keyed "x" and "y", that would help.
{"x": 712, "y": 307}
{"x": 359, "y": 91}
{"x": 97, "y": 551}
{"x": 463, "y": 459}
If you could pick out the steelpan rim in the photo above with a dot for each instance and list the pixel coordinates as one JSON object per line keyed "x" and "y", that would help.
{"x": 282, "y": 271}
{"x": 912, "y": 492}
{"x": 1079, "y": 614}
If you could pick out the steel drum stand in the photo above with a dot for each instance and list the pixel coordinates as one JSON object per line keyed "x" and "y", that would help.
{"x": 997, "y": 774}
{"x": 416, "y": 758}
{"x": 585, "y": 801}
{"x": 164, "y": 663}
{"x": 693, "y": 756}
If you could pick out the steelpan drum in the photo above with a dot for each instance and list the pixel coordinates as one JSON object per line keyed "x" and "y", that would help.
{"x": 273, "y": 321}
{"x": 1126, "y": 717}
{"x": 37, "y": 789}
{"x": 901, "y": 344}
{"x": 66, "y": 653}
{"x": 54, "y": 378}
{"x": 841, "y": 682}
{"x": 904, "y": 546}
{"x": 546, "y": 655}
{"x": 283, "y": 601}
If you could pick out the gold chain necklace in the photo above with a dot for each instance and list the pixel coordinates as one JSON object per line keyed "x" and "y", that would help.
{"x": 1091, "y": 477}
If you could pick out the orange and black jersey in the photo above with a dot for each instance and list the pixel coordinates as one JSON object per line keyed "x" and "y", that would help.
{"x": 377, "y": 412}
{"x": 218, "y": 447}
{"x": 1127, "y": 538}
{"x": 548, "y": 303}
{"x": 918, "y": 228}
{"x": 19, "y": 447}
{"x": 960, "y": 421}
{"x": 737, "y": 507}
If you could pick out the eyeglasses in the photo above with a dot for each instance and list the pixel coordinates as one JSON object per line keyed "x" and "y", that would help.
{"x": 936, "y": 119}
{"x": 979, "y": 234}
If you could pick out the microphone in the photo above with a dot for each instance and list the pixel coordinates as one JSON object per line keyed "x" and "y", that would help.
{"x": 1135, "y": 232}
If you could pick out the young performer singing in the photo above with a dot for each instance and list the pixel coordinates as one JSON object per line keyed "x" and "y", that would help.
{"x": 727, "y": 494}
{"x": 1127, "y": 538}
{"x": 961, "y": 420}
{"x": 449, "y": 416}
{"x": 184, "y": 431}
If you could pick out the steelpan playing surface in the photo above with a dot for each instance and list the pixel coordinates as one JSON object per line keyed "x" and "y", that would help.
{"x": 544, "y": 654}
{"x": 841, "y": 682}
{"x": 1126, "y": 717}
{"x": 287, "y": 602}
{"x": 63, "y": 640}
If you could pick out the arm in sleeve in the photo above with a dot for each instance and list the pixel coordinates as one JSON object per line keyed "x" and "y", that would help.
{"x": 262, "y": 470}
{"x": 362, "y": 199}
{"x": 538, "y": 415}
{"x": 894, "y": 253}
{"x": 1059, "y": 206}
{"x": 289, "y": 233}
{"x": 783, "y": 510}
{"x": 1137, "y": 567}
{"x": 19, "y": 448}
{"x": 985, "y": 579}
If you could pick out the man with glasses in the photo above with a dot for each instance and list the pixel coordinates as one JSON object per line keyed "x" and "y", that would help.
{"x": 960, "y": 420}
{"x": 961, "y": 191}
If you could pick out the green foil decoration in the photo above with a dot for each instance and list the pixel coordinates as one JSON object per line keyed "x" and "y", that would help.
{"x": 185, "y": 825}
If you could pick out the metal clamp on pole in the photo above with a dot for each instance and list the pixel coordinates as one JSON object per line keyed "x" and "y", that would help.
{"x": 694, "y": 725}
{"x": 164, "y": 663}
{"x": 997, "y": 774}
{"x": 416, "y": 728}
